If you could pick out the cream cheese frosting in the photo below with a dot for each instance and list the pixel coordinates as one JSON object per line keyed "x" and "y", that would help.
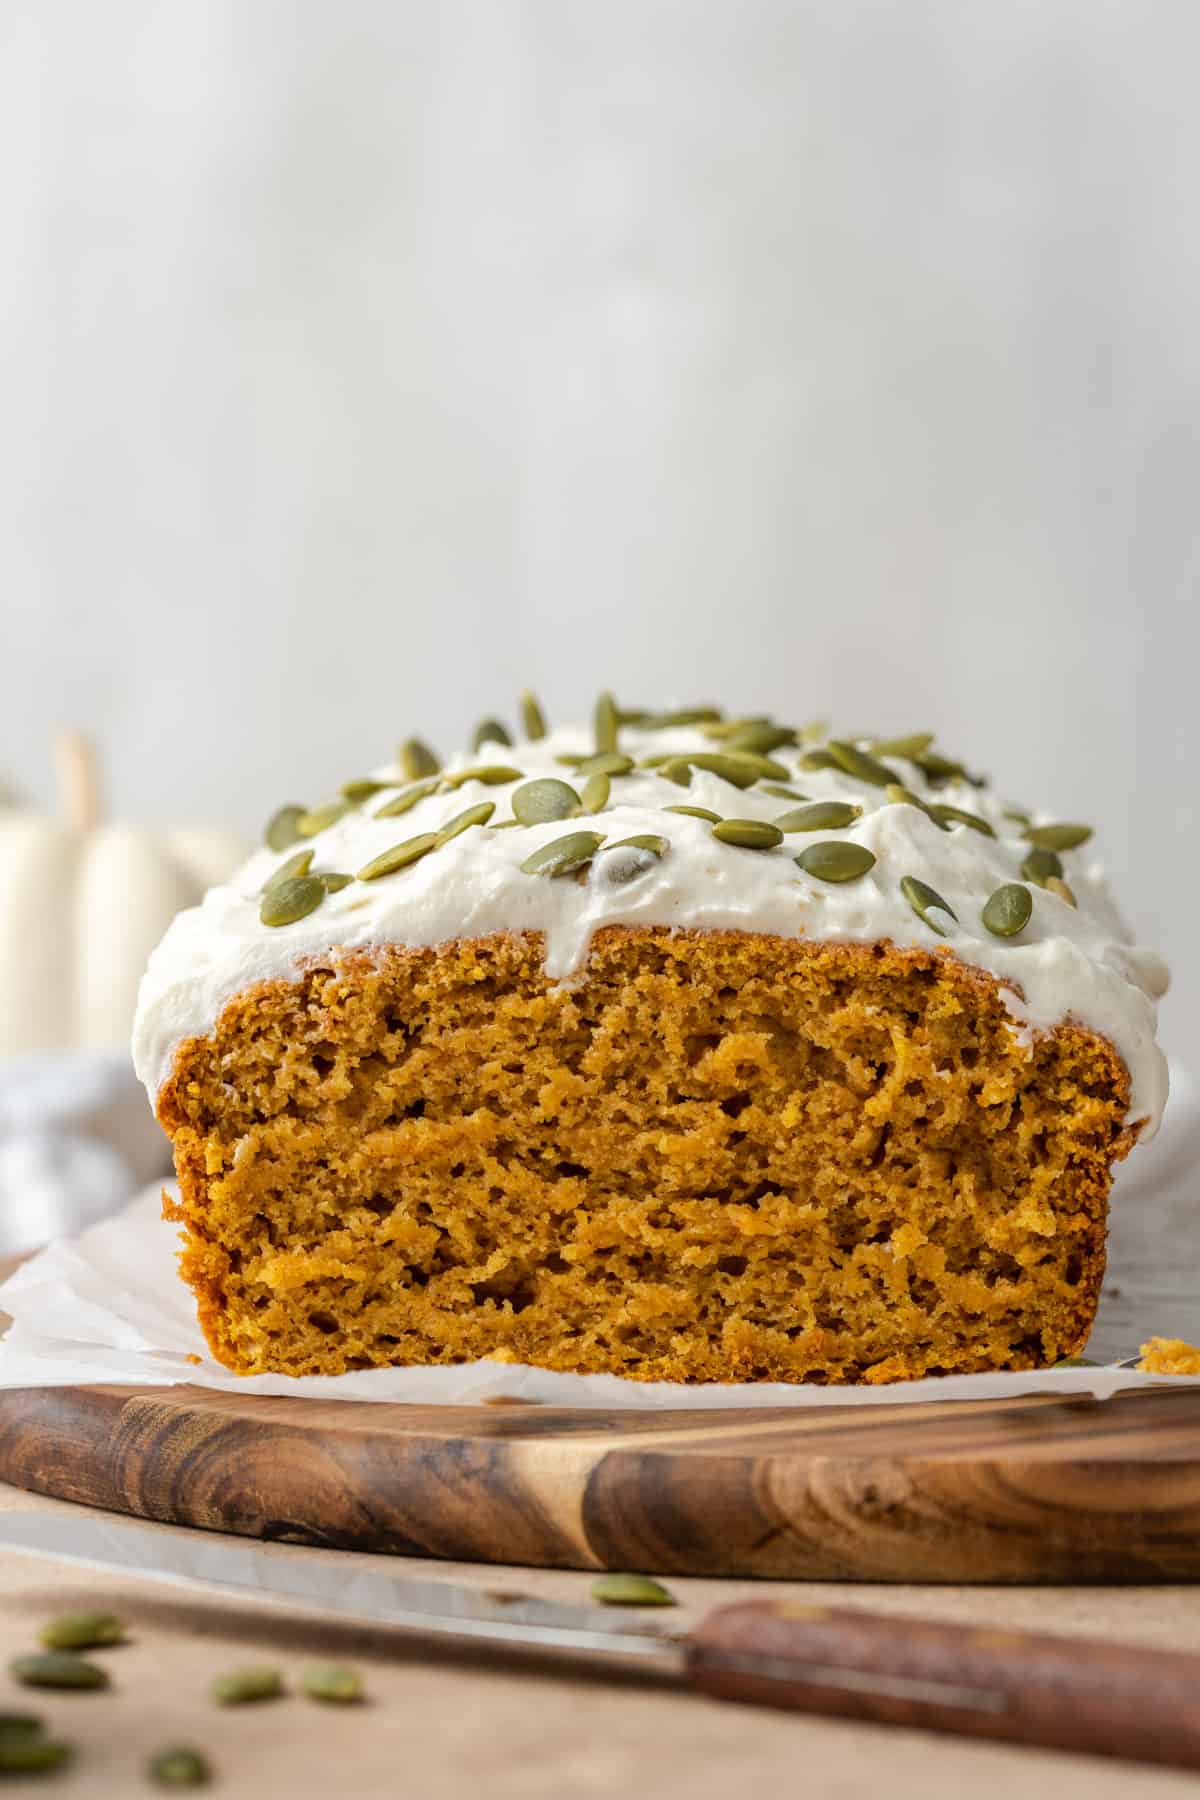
{"x": 1069, "y": 962}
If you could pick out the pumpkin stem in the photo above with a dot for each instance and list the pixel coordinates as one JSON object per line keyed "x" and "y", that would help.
{"x": 77, "y": 768}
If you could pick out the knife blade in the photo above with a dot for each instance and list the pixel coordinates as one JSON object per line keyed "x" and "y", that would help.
{"x": 1023, "y": 1687}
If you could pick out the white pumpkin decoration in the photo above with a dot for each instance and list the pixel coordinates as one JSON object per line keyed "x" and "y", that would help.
{"x": 83, "y": 901}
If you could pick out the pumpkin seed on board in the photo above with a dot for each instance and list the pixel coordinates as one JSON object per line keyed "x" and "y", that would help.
{"x": 562, "y": 856}
{"x": 631, "y": 1590}
{"x": 836, "y": 859}
{"x": 463, "y": 821}
{"x": 333, "y": 1683}
{"x": 538, "y": 802}
{"x": 1057, "y": 837}
{"x": 82, "y": 1631}
{"x": 858, "y": 763}
{"x": 906, "y": 747}
{"x": 490, "y": 731}
{"x": 695, "y": 812}
{"x": 533, "y": 720}
{"x": 403, "y": 802}
{"x": 291, "y": 900}
{"x": 821, "y": 815}
{"x": 1039, "y": 865}
{"x": 955, "y": 815}
{"x": 400, "y": 856}
{"x": 925, "y": 900}
{"x": 606, "y": 723}
{"x": 489, "y": 774}
{"x": 58, "y": 1669}
{"x": 417, "y": 759}
{"x": 365, "y": 789}
{"x": 245, "y": 1685}
{"x": 606, "y": 762}
{"x": 179, "y": 1768}
{"x": 281, "y": 832}
{"x": 299, "y": 864}
{"x": 748, "y": 834}
{"x": 321, "y": 818}
{"x": 593, "y": 796}
{"x": 1008, "y": 910}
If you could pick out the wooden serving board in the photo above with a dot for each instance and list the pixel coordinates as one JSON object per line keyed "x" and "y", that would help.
{"x": 1033, "y": 1489}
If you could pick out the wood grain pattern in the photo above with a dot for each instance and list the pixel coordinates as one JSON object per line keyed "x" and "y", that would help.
{"x": 1033, "y": 1489}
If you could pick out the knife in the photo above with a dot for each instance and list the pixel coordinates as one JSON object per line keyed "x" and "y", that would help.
{"x": 1023, "y": 1687}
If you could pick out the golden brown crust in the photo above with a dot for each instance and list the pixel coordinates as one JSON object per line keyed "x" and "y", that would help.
{"x": 720, "y": 1156}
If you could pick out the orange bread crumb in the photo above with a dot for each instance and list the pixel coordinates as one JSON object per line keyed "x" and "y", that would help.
{"x": 1169, "y": 1356}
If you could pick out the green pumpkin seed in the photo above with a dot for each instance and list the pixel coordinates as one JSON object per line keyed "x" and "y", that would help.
{"x": 955, "y": 815}
{"x": 856, "y": 762}
{"x": 321, "y": 818}
{"x": 695, "y": 812}
{"x": 822, "y": 815}
{"x": 408, "y": 799}
{"x": 291, "y": 900}
{"x": 281, "y": 831}
{"x": 1040, "y": 865}
{"x": 82, "y": 1631}
{"x": 1008, "y": 911}
{"x": 490, "y": 731}
{"x": 1057, "y": 837}
{"x": 819, "y": 758}
{"x": 938, "y": 769}
{"x": 721, "y": 729}
{"x": 538, "y": 802}
{"x": 463, "y": 821}
{"x": 677, "y": 769}
{"x": 505, "y": 825}
{"x": 902, "y": 796}
{"x": 365, "y": 789}
{"x": 906, "y": 747}
{"x": 836, "y": 859}
{"x": 925, "y": 900}
{"x": 571, "y": 759}
{"x": 490, "y": 774}
{"x": 748, "y": 834}
{"x": 243, "y": 1686}
{"x": 685, "y": 715}
{"x": 608, "y": 762}
{"x": 533, "y": 720}
{"x": 761, "y": 738}
{"x": 33, "y": 1755}
{"x": 658, "y": 758}
{"x": 657, "y": 846}
{"x": 1056, "y": 885}
{"x": 606, "y": 724}
{"x": 646, "y": 851}
{"x": 782, "y": 793}
{"x": 179, "y": 1768}
{"x": 20, "y": 1725}
{"x": 296, "y": 865}
{"x": 740, "y": 771}
{"x": 417, "y": 759}
{"x": 58, "y": 1669}
{"x": 637, "y": 716}
{"x": 562, "y": 856}
{"x": 631, "y": 1590}
{"x": 333, "y": 882}
{"x": 1018, "y": 815}
{"x": 594, "y": 794}
{"x": 400, "y": 856}
{"x": 333, "y": 1683}
{"x": 814, "y": 731}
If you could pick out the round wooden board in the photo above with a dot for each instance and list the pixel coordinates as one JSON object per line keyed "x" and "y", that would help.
{"x": 1033, "y": 1489}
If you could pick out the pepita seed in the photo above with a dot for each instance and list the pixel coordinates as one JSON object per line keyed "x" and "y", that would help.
{"x": 762, "y": 738}
{"x": 82, "y": 1631}
{"x": 463, "y": 821}
{"x": 20, "y": 1725}
{"x": 925, "y": 900}
{"x": 505, "y": 825}
{"x": 684, "y": 715}
{"x": 899, "y": 795}
{"x": 333, "y": 881}
{"x": 631, "y": 1590}
{"x": 608, "y": 762}
{"x": 695, "y": 812}
{"x": 490, "y": 774}
{"x": 1008, "y": 911}
{"x": 763, "y": 766}
{"x": 606, "y": 725}
{"x": 400, "y": 856}
{"x": 814, "y": 731}
{"x": 417, "y": 759}
{"x": 1039, "y": 865}
{"x": 782, "y": 793}
{"x": 181, "y": 1768}
{"x": 1057, "y": 837}
{"x": 677, "y": 769}
{"x": 490, "y": 731}
{"x": 656, "y": 846}
{"x": 955, "y": 815}
{"x": 281, "y": 832}
{"x": 721, "y": 729}
{"x": 748, "y": 834}
{"x": 836, "y": 859}
{"x": 657, "y": 759}
{"x": 1056, "y": 885}
{"x": 563, "y": 855}
{"x": 739, "y": 771}
{"x": 245, "y": 1685}
{"x": 1076, "y": 1362}
{"x": 821, "y": 815}
{"x": 291, "y": 900}
{"x": 408, "y": 799}
{"x": 907, "y": 747}
{"x": 365, "y": 789}
{"x": 333, "y": 1683}
{"x": 570, "y": 759}
{"x": 594, "y": 794}
{"x": 938, "y": 769}
{"x": 321, "y": 818}
{"x": 533, "y": 720}
{"x": 538, "y": 802}
{"x": 1018, "y": 815}
{"x": 32, "y": 1755}
{"x": 58, "y": 1669}
{"x": 858, "y": 763}
{"x": 820, "y": 758}
{"x": 299, "y": 864}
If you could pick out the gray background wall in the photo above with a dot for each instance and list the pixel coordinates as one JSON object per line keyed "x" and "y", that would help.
{"x": 366, "y": 362}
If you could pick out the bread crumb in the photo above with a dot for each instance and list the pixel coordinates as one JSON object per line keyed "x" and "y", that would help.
{"x": 1169, "y": 1356}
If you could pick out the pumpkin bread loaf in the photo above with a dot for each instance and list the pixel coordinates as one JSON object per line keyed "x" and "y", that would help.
{"x": 678, "y": 1048}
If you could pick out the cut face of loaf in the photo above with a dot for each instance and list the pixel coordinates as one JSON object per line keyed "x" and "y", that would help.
{"x": 718, "y": 1157}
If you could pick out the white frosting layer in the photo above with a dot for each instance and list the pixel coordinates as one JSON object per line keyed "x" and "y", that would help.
{"x": 1069, "y": 962}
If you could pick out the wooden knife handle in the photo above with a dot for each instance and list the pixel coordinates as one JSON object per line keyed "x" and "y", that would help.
{"x": 1026, "y": 1687}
